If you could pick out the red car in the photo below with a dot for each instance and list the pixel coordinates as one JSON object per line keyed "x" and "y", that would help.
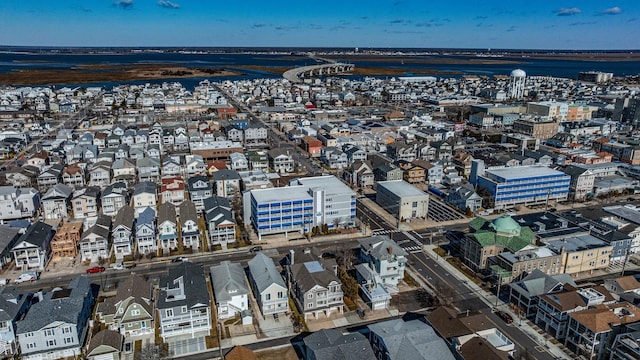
{"x": 95, "y": 269}
{"x": 504, "y": 316}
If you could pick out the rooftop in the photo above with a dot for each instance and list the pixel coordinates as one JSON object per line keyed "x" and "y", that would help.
{"x": 401, "y": 188}
{"x": 517, "y": 172}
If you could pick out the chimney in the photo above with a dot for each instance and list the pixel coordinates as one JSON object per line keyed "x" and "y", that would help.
{"x": 292, "y": 256}
{"x": 390, "y": 250}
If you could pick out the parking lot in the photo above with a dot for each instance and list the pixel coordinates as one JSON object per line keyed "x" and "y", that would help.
{"x": 440, "y": 212}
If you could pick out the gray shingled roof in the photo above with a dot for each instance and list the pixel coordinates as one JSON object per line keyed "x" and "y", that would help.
{"x": 381, "y": 247}
{"x": 307, "y": 279}
{"x": 56, "y": 306}
{"x": 125, "y": 217}
{"x": 195, "y": 286}
{"x": 188, "y": 211}
{"x": 264, "y": 272}
{"x": 226, "y": 174}
{"x": 330, "y": 344}
{"x": 7, "y": 236}
{"x": 411, "y": 340}
{"x": 37, "y": 234}
{"x": 145, "y": 187}
{"x": 11, "y": 300}
{"x": 227, "y": 278}
{"x": 167, "y": 212}
{"x": 106, "y": 337}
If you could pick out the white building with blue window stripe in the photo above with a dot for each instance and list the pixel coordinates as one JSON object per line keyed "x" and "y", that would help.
{"x": 306, "y": 203}
{"x": 526, "y": 185}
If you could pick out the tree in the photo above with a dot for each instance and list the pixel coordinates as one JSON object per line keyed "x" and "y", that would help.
{"x": 349, "y": 284}
{"x": 336, "y": 222}
{"x": 153, "y": 352}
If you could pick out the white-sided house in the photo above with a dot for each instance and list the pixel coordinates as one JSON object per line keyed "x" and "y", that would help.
{"x": 18, "y": 203}
{"x": 183, "y": 303}
{"x": 123, "y": 232}
{"x": 55, "y": 203}
{"x": 220, "y": 221}
{"x": 13, "y": 305}
{"x": 384, "y": 257}
{"x": 100, "y": 174}
{"x": 268, "y": 286}
{"x": 199, "y": 188}
{"x": 94, "y": 243}
{"x": 167, "y": 227}
{"x": 190, "y": 233}
{"x": 105, "y": 345}
{"x": 56, "y": 327}
{"x": 145, "y": 195}
{"x": 146, "y": 231}
{"x": 114, "y": 197}
{"x": 33, "y": 250}
{"x": 230, "y": 289}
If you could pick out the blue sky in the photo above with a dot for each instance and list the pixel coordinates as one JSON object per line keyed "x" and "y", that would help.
{"x": 577, "y": 24}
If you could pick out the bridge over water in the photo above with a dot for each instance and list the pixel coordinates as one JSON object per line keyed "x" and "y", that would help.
{"x": 330, "y": 68}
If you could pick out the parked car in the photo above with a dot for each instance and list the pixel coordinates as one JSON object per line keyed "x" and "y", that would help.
{"x": 117, "y": 266}
{"x": 26, "y": 276}
{"x": 504, "y": 316}
{"x": 255, "y": 249}
{"x": 179, "y": 259}
{"x": 4, "y": 281}
{"x": 95, "y": 269}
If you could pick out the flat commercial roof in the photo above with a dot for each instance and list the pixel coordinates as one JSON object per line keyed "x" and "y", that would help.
{"x": 517, "y": 172}
{"x": 330, "y": 184}
{"x": 629, "y": 213}
{"x": 281, "y": 194}
{"x": 401, "y": 188}
{"x": 575, "y": 243}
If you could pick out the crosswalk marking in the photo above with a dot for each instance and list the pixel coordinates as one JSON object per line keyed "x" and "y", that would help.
{"x": 385, "y": 232}
{"x": 413, "y": 249}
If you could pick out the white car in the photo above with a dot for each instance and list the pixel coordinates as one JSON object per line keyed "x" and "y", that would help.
{"x": 27, "y": 276}
{"x": 117, "y": 266}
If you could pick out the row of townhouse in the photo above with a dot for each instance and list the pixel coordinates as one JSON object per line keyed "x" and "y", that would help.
{"x": 595, "y": 322}
{"x": 279, "y": 160}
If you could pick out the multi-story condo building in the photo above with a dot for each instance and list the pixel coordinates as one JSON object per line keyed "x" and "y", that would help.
{"x": 113, "y": 198}
{"x": 189, "y": 230}
{"x": 385, "y": 258}
{"x": 123, "y": 232}
{"x": 524, "y": 185}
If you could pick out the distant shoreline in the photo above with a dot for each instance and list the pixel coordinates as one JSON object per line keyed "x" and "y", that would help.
{"x": 109, "y": 73}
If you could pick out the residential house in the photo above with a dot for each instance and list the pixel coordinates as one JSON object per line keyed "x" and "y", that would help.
{"x": 85, "y": 202}
{"x": 171, "y": 167}
{"x": 362, "y": 174}
{"x": 105, "y": 345}
{"x": 331, "y": 344}
{"x": 227, "y": 183}
{"x": 49, "y": 177}
{"x": 582, "y": 182}
{"x": 32, "y": 249}
{"x": 625, "y": 288}
{"x": 145, "y": 195}
{"x": 18, "y": 203}
{"x": 167, "y": 227}
{"x": 402, "y": 151}
{"x": 258, "y": 160}
{"x": 199, "y": 188}
{"x": 114, "y": 197}
{"x": 234, "y": 133}
{"x": 8, "y": 238}
{"x": 281, "y": 161}
{"x": 94, "y": 243}
{"x": 13, "y": 306}
{"x": 230, "y": 289}
{"x": 56, "y": 202}
{"x": 172, "y": 190}
{"x": 189, "y": 231}
{"x": 22, "y": 177}
{"x": 195, "y": 165}
{"x": 100, "y": 174}
{"x": 184, "y": 305}
{"x": 385, "y": 258}
{"x": 39, "y": 160}
{"x": 220, "y": 220}
{"x": 131, "y": 310}
{"x": 354, "y": 154}
{"x": 525, "y": 294}
{"x": 465, "y": 198}
{"x": 238, "y": 162}
{"x": 387, "y": 172}
{"x": 255, "y": 134}
{"x": 398, "y": 339}
{"x": 66, "y": 240}
{"x": 414, "y": 174}
{"x": 73, "y": 176}
{"x": 148, "y": 169}
{"x": 146, "y": 231}
{"x": 472, "y": 336}
{"x": 124, "y": 170}
{"x": 334, "y": 158}
{"x": 123, "y": 227}
{"x": 57, "y": 326}
{"x": 314, "y": 285}
{"x": 268, "y": 286}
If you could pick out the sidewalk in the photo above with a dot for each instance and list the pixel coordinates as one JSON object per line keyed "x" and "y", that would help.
{"x": 490, "y": 300}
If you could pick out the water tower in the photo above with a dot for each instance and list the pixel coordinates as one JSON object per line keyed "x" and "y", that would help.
{"x": 516, "y": 84}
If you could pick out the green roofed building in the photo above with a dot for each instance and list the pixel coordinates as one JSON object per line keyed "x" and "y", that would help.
{"x": 489, "y": 238}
